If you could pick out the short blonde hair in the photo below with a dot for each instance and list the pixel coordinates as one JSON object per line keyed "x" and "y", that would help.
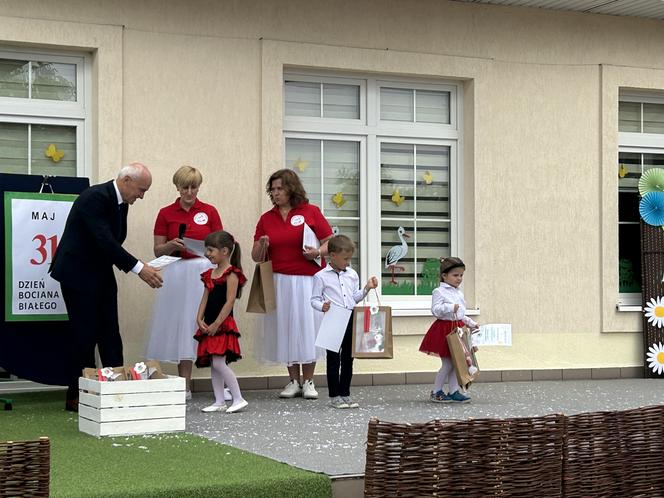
{"x": 187, "y": 176}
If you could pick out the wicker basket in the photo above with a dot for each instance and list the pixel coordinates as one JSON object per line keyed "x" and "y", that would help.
{"x": 25, "y": 468}
{"x": 520, "y": 457}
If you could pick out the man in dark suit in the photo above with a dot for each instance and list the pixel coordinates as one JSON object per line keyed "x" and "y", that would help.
{"x": 83, "y": 264}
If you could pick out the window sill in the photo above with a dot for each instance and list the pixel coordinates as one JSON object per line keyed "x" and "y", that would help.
{"x": 403, "y": 311}
{"x": 628, "y": 308}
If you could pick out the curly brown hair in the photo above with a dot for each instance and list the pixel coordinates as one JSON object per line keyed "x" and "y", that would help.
{"x": 291, "y": 184}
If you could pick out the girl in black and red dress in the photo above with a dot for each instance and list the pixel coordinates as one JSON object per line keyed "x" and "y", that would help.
{"x": 217, "y": 334}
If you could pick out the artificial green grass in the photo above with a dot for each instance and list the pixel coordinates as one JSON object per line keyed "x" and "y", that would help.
{"x": 159, "y": 465}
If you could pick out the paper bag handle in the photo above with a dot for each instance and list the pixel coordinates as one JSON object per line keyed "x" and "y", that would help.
{"x": 263, "y": 255}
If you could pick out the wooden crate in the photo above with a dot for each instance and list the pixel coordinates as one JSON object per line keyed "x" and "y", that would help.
{"x": 130, "y": 407}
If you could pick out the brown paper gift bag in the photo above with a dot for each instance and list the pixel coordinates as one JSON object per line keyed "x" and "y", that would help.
{"x": 261, "y": 294}
{"x": 461, "y": 353}
{"x": 372, "y": 332}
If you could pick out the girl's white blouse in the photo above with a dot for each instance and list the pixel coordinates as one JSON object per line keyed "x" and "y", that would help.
{"x": 442, "y": 305}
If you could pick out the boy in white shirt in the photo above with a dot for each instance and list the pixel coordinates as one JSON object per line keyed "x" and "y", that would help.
{"x": 339, "y": 284}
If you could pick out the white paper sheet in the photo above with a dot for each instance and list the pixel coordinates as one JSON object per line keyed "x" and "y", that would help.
{"x": 162, "y": 261}
{"x": 194, "y": 246}
{"x": 333, "y": 328}
{"x": 309, "y": 239}
{"x": 495, "y": 334}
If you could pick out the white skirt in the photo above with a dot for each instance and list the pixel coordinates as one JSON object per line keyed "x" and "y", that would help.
{"x": 173, "y": 324}
{"x": 289, "y": 332}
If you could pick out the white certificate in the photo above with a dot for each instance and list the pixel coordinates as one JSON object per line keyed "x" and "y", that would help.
{"x": 309, "y": 239}
{"x": 194, "y": 246}
{"x": 333, "y": 327}
{"x": 162, "y": 261}
{"x": 496, "y": 334}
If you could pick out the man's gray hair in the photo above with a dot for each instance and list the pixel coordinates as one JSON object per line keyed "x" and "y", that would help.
{"x": 132, "y": 170}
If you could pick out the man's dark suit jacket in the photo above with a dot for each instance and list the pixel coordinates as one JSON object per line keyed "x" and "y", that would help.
{"x": 92, "y": 241}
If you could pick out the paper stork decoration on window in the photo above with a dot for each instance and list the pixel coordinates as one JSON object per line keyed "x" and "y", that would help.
{"x": 396, "y": 253}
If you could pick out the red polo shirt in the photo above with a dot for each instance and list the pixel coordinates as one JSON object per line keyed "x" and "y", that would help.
{"x": 285, "y": 248}
{"x": 201, "y": 220}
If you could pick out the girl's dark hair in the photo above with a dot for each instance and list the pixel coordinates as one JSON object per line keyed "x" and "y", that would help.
{"x": 222, "y": 239}
{"x": 448, "y": 264}
{"x": 291, "y": 183}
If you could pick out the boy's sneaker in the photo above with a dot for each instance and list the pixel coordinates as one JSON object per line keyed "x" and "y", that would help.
{"x": 338, "y": 402}
{"x": 350, "y": 402}
{"x": 459, "y": 398}
{"x": 308, "y": 390}
{"x": 291, "y": 390}
{"x": 440, "y": 397}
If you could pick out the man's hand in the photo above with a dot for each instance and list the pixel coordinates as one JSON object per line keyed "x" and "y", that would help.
{"x": 326, "y": 307}
{"x": 151, "y": 276}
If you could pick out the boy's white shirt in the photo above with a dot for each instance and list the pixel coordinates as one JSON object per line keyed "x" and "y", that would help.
{"x": 342, "y": 289}
{"x": 442, "y": 305}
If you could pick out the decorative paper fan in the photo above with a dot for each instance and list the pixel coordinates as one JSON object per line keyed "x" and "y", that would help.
{"x": 651, "y": 208}
{"x": 651, "y": 180}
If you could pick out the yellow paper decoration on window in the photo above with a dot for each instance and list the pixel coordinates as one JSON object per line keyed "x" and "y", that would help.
{"x": 300, "y": 164}
{"x": 338, "y": 199}
{"x": 397, "y": 198}
{"x": 428, "y": 177}
{"x": 622, "y": 171}
{"x": 52, "y": 152}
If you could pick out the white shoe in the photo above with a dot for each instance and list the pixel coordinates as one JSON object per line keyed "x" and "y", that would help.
{"x": 187, "y": 396}
{"x": 350, "y": 402}
{"x": 227, "y": 395}
{"x": 214, "y": 408}
{"x": 308, "y": 390}
{"x": 291, "y": 390}
{"x": 236, "y": 407}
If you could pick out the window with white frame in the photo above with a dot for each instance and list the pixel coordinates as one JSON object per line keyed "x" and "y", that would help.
{"x": 380, "y": 157}
{"x": 641, "y": 147}
{"x": 44, "y": 126}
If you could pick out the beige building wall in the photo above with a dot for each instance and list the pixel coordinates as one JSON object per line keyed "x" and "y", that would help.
{"x": 200, "y": 83}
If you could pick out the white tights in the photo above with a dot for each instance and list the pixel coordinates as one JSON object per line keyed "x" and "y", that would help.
{"x": 222, "y": 373}
{"x": 446, "y": 374}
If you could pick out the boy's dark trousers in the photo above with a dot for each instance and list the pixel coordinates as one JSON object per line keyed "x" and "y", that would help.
{"x": 340, "y": 365}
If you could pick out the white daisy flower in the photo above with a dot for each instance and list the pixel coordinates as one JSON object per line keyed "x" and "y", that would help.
{"x": 655, "y": 357}
{"x": 655, "y": 311}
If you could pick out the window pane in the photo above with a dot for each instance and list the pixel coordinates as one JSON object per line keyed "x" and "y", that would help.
{"x": 58, "y": 160}
{"x": 302, "y": 99}
{"x": 433, "y": 182}
{"x": 432, "y": 107}
{"x": 432, "y": 242}
{"x": 396, "y": 104}
{"x": 397, "y": 253}
{"x": 13, "y": 148}
{"x": 303, "y": 157}
{"x": 351, "y": 229}
{"x": 396, "y": 180}
{"x": 14, "y": 78}
{"x": 54, "y": 81}
{"x": 341, "y": 186}
{"x": 341, "y": 101}
{"x": 653, "y": 118}
{"x": 629, "y": 255}
{"x": 628, "y": 207}
{"x": 629, "y": 117}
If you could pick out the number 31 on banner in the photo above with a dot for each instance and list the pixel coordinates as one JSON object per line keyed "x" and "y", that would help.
{"x": 45, "y": 243}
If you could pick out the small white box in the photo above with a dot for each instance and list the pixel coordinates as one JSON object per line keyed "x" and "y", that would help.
{"x": 130, "y": 407}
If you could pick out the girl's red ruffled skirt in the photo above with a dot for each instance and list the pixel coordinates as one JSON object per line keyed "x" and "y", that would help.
{"x": 226, "y": 342}
{"x": 435, "y": 340}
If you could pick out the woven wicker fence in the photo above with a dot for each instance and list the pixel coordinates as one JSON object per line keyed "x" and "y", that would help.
{"x": 608, "y": 454}
{"x": 652, "y": 269}
{"x": 25, "y": 468}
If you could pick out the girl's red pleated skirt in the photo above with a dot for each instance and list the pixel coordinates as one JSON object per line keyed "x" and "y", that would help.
{"x": 435, "y": 340}
{"x": 226, "y": 342}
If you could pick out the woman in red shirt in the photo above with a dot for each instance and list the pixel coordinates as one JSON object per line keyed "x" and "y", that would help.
{"x": 290, "y": 330}
{"x": 171, "y": 332}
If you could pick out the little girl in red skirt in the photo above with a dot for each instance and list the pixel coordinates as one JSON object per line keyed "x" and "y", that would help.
{"x": 449, "y": 307}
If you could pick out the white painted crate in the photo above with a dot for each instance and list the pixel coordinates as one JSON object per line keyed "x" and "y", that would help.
{"x": 129, "y": 407}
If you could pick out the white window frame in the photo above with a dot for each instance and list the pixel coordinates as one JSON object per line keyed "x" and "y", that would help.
{"x": 639, "y": 143}
{"x": 371, "y": 131}
{"x": 54, "y": 112}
